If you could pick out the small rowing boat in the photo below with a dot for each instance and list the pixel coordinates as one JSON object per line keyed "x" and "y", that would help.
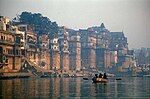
{"x": 85, "y": 78}
{"x": 99, "y": 80}
{"x": 118, "y": 78}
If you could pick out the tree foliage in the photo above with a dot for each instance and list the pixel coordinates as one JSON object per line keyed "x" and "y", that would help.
{"x": 40, "y": 23}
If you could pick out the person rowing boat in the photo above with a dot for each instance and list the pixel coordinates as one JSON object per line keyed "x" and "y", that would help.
{"x": 101, "y": 78}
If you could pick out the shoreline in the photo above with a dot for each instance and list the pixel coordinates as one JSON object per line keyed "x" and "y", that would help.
{"x": 14, "y": 75}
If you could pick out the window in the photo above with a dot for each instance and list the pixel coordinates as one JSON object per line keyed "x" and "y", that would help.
{"x": 7, "y": 50}
{"x": 6, "y": 61}
{"x": 43, "y": 56}
{"x": 55, "y": 47}
{"x": 10, "y": 51}
{"x": 18, "y": 40}
{"x": 1, "y": 59}
{"x": 1, "y": 50}
{"x": 10, "y": 40}
{"x": 1, "y": 37}
{"x": 17, "y": 52}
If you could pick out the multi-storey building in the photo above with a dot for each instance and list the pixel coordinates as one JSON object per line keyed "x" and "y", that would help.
{"x": 119, "y": 44}
{"x": 4, "y": 23}
{"x": 16, "y": 30}
{"x": 30, "y": 47}
{"x": 102, "y": 50}
{"x": 29, "y": 40}
{"x": 54, "y": 54}
{"x": 75, "y": 50}
{"x": 64, "y": 48}
{"x": 88, "y": 46}
{"x": 96, "y": 40}
{"x": 94, "y": 47}
{"x": 113, "y": 58}
{"x": 10, "y": 48}
{"x": 43, "y": 51}
{"x": 118, "y": 41}
{"x": 143, "y": 56}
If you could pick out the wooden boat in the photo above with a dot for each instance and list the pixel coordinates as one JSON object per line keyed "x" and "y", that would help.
{"x": 99, "y": 80}
{"x": 118, "y": 78}
{"x": 85, "y": 78}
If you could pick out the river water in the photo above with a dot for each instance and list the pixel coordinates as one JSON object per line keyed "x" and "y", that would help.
{"x": 75, "y": 88}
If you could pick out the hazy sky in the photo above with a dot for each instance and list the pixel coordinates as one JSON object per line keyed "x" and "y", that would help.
{"x": 131, "y": 16}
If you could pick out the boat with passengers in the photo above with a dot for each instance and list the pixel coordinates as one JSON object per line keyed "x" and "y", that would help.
{"x": 100, "y": 79}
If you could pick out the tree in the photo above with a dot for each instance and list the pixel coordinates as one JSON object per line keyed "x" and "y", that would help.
{"x": 38, "y": 23}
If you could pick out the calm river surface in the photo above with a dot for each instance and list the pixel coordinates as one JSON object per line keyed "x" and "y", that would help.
{"x": 75, "y": 88}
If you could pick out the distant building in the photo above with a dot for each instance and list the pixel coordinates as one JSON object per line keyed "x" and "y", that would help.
{"x": 4, "y": 23}
{"x": 75, "y": 50}
{"x": 142, "y": 56}
{"x": 102, "y": 44}
{"x": 125, "y": 57}
{"x": 118, "y": 41}
{"x": 10, "y": 48}
{"x": 88, "y": 46}
{"x": 43, "y": 51}
{"x": 113, "y": 58}
{"x": 30, "y": 47}
{"x": 86, "y": 49}
{"x": 64, "y": 48}
{"x": 54, "y": 54}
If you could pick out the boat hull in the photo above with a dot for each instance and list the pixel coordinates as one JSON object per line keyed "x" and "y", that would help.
{"x": 100, "y": 80}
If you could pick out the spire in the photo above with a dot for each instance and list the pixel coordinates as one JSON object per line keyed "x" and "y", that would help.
{"x": 102, "y": 25}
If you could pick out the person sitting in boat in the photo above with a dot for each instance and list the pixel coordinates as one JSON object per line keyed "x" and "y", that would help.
{"x": 94, "y": 78}
{"x": 96, "y": 75}
{"x": 105, "y": 76}
{"x": 100, "y": 75}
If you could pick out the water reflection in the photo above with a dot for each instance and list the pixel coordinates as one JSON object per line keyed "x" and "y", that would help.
{"x": 66, "y": 88}
{"x": 100, "y": 90}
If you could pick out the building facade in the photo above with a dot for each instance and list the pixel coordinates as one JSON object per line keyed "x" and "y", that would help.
{"x": 54, "y": 54}
{"x": 43, "y": 51}
{"x": 10, "y": 48}
{"x": 88, "y": 49}
{"x": 75, "y": 50}
{"x": 64, "y": 48}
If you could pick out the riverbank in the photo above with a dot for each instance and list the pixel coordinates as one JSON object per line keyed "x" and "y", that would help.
{"x": 11, "y": 75}
{"x": 14, "y": 75}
